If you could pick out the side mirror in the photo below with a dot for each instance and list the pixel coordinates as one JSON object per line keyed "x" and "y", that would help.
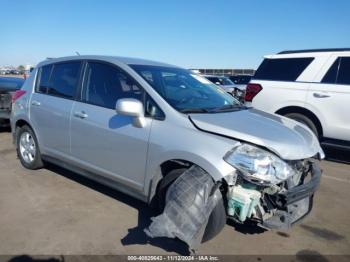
{"x": 131, "y": 107}
{"x": 217, "y": 83}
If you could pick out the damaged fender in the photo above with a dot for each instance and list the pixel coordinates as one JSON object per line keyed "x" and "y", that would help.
{"x": 189, "y": 203}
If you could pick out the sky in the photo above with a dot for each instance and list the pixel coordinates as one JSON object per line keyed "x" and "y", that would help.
{"x": 187, "y": 33}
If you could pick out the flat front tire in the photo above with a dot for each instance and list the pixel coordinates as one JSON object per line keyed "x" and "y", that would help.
{"x": 217, "y": 218}
{"x": 27, "y": 148}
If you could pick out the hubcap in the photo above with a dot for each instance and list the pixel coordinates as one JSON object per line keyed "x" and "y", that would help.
{"x": 27, "y": 147}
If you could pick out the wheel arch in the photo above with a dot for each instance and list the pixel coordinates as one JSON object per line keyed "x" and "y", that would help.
{"x": 19, "y": 123}
{"x": 303, "y": 111}
{"x": 175, "y": 163}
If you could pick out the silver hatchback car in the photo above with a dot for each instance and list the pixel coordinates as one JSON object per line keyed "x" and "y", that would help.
{"x": 137, "y": 125}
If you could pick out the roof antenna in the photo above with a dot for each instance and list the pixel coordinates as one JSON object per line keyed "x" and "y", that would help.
{"x": 77, "y": 53}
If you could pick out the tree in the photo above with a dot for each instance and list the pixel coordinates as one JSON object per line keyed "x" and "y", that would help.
{"x": 20, "y": 67}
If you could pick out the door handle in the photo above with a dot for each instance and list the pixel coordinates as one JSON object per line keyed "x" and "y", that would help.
{"x": 318, "y": 95}
{"x": 81, "y": 114}
{"x": 36, "y": 103}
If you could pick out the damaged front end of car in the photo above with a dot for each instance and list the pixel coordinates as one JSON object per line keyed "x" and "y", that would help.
{"x": 268, "y": 190}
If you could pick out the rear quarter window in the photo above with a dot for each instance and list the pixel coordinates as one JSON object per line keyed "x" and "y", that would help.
{"x": 339, "y": 72}
{"x": 282, "y": 69}
{"x": 344, "y": 71}
{"x": 42, "y": 83}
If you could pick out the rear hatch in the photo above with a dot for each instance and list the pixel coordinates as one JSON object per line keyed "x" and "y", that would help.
{"x": 5, "y": 101}
{"x": 8, "y": 86}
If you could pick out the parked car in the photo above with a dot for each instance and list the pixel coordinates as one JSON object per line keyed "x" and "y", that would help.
{"x": 241, "y": 81}
{"x": 310, "y": 86}
{"x": 225, "y": 83}
{"x": 3, "y": 72}
{"x": 138, "y": 125}
{"x": 8, "y": 87}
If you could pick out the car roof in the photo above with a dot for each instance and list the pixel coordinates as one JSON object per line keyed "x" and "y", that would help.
{"x": 309, "y": 53}
{"x": 12, "y": 79}
{"x": 314, "y": 50}
{"x": 118, "y": 59}
{"x": 11, "y": 83}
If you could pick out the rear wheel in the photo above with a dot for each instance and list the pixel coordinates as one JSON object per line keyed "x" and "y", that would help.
{"x": 27, "y": 148}
{"x": 304, "y": 120}
{"x": 217, "y": 218}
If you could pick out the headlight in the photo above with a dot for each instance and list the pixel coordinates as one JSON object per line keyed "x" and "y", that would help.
{"x": 258, "y": 165}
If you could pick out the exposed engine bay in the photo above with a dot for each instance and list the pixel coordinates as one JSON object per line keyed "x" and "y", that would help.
{"x": 274, "y": 206}
{"x": 193, "y": 196}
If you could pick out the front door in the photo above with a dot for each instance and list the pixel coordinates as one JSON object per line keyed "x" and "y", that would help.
{"x": 102, "y": 140}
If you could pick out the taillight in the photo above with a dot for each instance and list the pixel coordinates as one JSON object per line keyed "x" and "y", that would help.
{"x": 17, "y": 95}
{"x": 251, "y": 91}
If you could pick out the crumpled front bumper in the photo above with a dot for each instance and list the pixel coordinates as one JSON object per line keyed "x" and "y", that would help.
{"x": 296, "y": 203}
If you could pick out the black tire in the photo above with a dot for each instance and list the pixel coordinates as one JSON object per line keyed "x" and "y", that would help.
{"x": 216, "y": 222}
{"x": 37, "y": 162}
{"x": 304, "y": 120}
{"x": 217, "y": 218}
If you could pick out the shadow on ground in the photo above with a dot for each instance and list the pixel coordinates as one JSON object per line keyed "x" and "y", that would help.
{"x": 336, "y": 155}
{"x": 248, "y": 228}
{"x": 136, "y": 235}
{"x": 26, "y": 258}
{"x": 5, "y": 129}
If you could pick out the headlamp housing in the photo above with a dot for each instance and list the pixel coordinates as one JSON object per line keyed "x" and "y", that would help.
{"x": 259, "y": 166}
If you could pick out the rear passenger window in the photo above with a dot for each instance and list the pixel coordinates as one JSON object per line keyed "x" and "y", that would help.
{"x": 64, "y": 79}
{"x": 105, "y": 84}
{"x": 282, "y": 69}
{"x": 331, "y": 76}
{"x": 344, "y": 71}
{"x": 43, "y": 79}
{"x": 339, "y": 73}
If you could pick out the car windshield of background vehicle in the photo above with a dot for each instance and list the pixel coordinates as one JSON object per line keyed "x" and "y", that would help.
{"x": 185, "y": 91}
{"x": 226, "y": 81}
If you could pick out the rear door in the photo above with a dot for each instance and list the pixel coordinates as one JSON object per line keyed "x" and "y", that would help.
{"x": 101, "y": 140}
{"x": 331, "y": 99}
{"x": 51, "y": 105}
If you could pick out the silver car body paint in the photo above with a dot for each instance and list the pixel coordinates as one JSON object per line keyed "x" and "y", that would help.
{"x": 285, "y": 137}
{"x": 110, "y": 146}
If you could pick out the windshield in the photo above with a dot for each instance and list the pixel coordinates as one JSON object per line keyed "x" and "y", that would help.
{"x": 185, "y": 91}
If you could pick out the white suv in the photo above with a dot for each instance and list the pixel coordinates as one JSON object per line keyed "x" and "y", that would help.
{"x": 310, "y": 86}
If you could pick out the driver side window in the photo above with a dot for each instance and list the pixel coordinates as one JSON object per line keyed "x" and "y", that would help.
{"x": 105, "y": 84}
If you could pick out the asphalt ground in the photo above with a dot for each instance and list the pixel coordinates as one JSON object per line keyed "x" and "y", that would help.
{"x": 55, "y": 212}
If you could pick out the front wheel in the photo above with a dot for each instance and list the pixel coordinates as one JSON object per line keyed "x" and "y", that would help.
{"x": 27, "y": 148}
{"x": 217, "y": 218}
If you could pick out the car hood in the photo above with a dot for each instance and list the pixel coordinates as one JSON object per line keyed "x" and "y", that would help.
{"x": 285, "y": 137}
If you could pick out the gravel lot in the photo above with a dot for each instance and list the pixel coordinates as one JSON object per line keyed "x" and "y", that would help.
{"x": 53, "y": 211}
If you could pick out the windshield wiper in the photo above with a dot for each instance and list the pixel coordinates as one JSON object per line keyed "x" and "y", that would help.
{"x": 194, "y": 110}
{"x": 229, "y": 108}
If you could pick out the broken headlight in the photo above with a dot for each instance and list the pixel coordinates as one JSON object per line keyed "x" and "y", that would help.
{"x": 258, "y": 166}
